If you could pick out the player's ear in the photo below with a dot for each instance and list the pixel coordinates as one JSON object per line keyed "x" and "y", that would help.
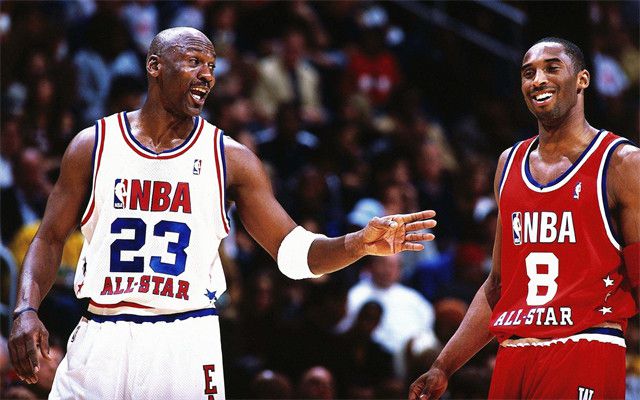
{"x": 583, "y": 80}
{"x": 153, "y": 65}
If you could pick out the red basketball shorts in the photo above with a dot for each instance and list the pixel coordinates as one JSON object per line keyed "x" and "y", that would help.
{"x": 570, "y": 368}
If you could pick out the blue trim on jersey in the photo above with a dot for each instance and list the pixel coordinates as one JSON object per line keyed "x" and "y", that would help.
{"x": 138, "y": 319}
{"x": 128, "y": 127}
{"x": 224, "y": 179}
{"x": 93, "y": 168}
{"x": 506, "y": 164}
{"x": 603, "y": 184}
{"x": 567, "y": 172}
{"x": 601, "y": 331}
{"x": 604, "y": 331}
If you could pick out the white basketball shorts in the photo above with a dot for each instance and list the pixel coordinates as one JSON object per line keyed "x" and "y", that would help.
{"x": 122, "y": 357}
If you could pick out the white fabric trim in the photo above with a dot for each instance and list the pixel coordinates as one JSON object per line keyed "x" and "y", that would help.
{"x": 293, "y": 253}
{"x": 507, "y": 167}
{"x": 573, "y": 170}
{"x": 597, "y": 337}
{"x": 603, "y": 203}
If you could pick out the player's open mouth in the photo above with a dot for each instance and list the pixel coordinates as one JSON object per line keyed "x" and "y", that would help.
{"x": 542, "y": 98}
{"x": 199, "y": 94}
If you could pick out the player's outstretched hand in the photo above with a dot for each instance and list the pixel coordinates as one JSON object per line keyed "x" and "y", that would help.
{"x": 430, "y": 385}
{"x": 28, "y": 337}
{"x": 395, "y": 233}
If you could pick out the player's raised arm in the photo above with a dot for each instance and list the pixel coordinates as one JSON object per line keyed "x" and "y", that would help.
{"x": 292, "y": 246}
{"x": 473, "y": 333}
{"x": 64, "y": 208}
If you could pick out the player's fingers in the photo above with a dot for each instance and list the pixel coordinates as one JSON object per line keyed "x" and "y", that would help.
{"x": 414, "y": 391}
{"x": 22, "y": 363}
{"x": 416, "y": 226}
{"x": 428, "y": 394}
{"x": 13, "y": 355}
{"x": 426, "y": 214}
{"x": 419, "y": 237}
{"x": 32, "y": 354}
{"x": 408, "y": 246}
{"x": 44, "y": 344}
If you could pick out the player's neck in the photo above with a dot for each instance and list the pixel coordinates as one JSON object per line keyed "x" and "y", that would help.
{"x": 158, "y": 124}
{"x": 568, "y": 138}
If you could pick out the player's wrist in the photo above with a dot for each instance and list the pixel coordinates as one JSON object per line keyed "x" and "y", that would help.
{"x": 354, "y": 245}
{"x": 439, "y": 367}
{"x": 18, "y": 312}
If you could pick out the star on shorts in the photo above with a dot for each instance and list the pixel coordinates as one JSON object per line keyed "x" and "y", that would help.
{"x": 605, "y": 310}
{"x": 211, "y": 295}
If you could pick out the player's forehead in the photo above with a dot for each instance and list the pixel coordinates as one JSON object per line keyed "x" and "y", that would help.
{"x": 545, "y": 52}
{"x": 183, "y": 41}
{"x": 193, "y": 45}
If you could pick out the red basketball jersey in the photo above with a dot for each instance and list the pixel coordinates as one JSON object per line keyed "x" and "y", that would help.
{"x": 561, "y": 264}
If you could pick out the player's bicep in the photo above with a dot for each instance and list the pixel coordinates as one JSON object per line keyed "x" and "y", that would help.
{"x": 249, "y": 186}
{"x": 69, "y": 195}
{"x": 629, "y": 179}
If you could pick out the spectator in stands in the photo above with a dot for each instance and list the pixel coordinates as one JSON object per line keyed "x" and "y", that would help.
{"x": 364, "y": 362}
{"x": 143, "y": 20}
{"x": 406, "y": 312}
{"x": 100, "y": 61}
{"x": 372, "y": 70}
{"x": 317, "y": 383}
{"x": 288, "y": 77}
{"x": 270, "y": 385}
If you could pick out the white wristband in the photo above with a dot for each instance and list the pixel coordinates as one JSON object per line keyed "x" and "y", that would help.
{"x": 293, "y": 253}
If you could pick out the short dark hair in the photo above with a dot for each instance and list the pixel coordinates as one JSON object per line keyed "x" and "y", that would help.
{"x": 573, "y": 51}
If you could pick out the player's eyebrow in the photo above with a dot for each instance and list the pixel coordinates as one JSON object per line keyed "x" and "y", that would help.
{"x": 547, "y": 60}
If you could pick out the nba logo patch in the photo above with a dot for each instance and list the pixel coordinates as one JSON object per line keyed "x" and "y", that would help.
{"x": 577, "y": 190}
{"x": 516, "y": 227}
{"x": 120, "y": 193}
{"x": 197, "y": 164}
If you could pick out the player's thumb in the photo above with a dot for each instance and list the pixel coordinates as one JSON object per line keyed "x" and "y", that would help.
{"x": 44, "y": 344}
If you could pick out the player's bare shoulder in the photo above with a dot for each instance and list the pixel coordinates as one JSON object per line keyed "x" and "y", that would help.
{"x": 79, "y": 153}
{"x": 244, "y": 168}
{"x": 623, "y": 179}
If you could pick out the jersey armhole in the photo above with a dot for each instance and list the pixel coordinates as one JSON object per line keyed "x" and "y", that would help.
{"x": 507, "y": 166}
{"x": 603, "y": 202}
{"x": 96, "y": 156}
{"x": 221, "y": 169}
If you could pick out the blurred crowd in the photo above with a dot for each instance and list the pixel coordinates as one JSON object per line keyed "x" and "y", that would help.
{"x": 357, "y": 109}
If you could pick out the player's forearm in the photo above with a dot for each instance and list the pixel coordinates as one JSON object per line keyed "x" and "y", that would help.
{"x": 328, "y": 255}
{"x": 38, "y": 272}
{"x": 472, "y": 335}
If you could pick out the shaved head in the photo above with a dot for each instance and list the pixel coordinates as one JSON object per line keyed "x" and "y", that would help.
{"x": 176, "y": 37}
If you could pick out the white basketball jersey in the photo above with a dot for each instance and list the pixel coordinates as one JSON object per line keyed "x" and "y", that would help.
{"x": 154, "y": 223}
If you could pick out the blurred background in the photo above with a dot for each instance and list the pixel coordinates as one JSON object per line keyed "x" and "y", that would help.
{"x": 358, "y": 109}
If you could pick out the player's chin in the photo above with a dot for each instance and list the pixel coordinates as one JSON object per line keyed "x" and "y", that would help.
{"x": 193, "y": 111}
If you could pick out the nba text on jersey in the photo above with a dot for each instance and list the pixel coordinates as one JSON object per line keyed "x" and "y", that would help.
{"x": 542, "y": 227}
{"x": 152, "y": 196}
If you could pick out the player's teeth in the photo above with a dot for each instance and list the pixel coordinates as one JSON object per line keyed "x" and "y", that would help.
{"x": 543, "y": 97}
